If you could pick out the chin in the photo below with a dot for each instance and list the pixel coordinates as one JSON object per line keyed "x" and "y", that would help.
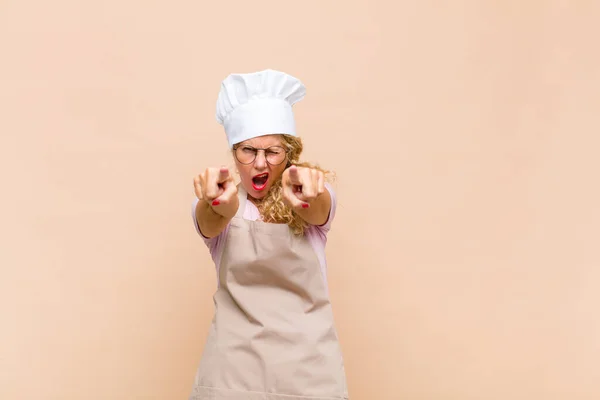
{"x": 258, "y": 195}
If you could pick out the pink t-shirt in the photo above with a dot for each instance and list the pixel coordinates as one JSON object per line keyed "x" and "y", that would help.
{"x": 316, "y": 235}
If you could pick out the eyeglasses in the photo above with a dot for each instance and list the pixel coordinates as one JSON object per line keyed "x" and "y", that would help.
{"x": 274, "y": 155}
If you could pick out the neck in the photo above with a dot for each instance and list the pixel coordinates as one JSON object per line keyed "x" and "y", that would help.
{"x": 254, "y": 201}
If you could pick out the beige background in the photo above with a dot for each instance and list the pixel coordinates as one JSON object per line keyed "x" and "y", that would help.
{"x": 464, "y": 259}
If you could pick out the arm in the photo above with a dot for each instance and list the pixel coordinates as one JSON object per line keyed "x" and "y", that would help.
{"x": 217, "y": 201}
{"x": 318, "y": 211}
{"x": 210, "y": 223}
{"x": 304, "y": 190}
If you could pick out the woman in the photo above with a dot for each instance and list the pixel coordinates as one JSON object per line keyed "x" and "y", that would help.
{"x": 273, "y": 335}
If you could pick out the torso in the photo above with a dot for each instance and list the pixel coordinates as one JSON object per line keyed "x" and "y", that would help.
{"x": 316, "y": 235}
{"x": 273, "y": 335}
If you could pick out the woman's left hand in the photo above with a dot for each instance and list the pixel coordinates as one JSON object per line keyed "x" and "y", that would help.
{"x": 301, "y": 186}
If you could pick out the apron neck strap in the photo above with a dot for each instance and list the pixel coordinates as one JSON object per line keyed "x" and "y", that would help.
{"x": 242, "y": 197}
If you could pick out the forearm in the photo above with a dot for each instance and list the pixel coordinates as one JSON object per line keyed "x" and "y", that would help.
{"x": 318, "y": 212}
{"x": 210, "y": 223}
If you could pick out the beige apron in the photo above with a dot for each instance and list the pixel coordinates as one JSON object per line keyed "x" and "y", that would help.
{"x": 273, "y": 335}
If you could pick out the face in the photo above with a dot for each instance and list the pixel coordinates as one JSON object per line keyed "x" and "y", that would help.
{"x": 258, "y": 176}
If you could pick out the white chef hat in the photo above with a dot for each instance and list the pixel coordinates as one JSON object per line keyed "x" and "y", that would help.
{"x": 259, "y": 103}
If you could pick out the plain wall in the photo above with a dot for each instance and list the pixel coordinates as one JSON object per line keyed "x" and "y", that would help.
{"x": 464, "y": 258}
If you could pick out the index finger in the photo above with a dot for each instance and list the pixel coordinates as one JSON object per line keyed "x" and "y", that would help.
{"x": 223, "y": 175}
{"x": 294, "y": 176}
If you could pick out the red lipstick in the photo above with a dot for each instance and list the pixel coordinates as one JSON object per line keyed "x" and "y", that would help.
{"x": 259, "y": 182}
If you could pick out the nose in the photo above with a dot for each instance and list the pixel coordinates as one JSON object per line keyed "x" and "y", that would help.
{"x": 260, "y": 162}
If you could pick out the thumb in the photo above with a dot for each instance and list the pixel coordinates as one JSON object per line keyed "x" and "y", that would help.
{"x": 292, "y": 198}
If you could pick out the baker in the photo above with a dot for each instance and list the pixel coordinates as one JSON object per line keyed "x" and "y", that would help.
{"x": 273, "y": 335}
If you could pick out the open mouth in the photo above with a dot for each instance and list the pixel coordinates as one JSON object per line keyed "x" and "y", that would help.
{"x": 259, "y": 182}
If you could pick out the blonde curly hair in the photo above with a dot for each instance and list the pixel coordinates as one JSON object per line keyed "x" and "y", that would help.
{"x": 271, "y": 207}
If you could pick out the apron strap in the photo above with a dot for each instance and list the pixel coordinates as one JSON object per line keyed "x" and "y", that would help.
{"x": 242, "y": 197}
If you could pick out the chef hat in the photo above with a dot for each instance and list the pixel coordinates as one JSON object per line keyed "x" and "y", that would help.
{"x": 259, "y": 103}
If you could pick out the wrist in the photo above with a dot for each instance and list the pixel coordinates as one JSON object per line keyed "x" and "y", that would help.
{"x": 225, "y": 210}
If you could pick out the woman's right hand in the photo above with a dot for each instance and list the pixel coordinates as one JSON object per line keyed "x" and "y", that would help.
{"x": 216, "y": 187}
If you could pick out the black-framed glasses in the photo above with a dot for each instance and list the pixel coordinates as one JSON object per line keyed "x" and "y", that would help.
{"x": 246, "y": 154}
